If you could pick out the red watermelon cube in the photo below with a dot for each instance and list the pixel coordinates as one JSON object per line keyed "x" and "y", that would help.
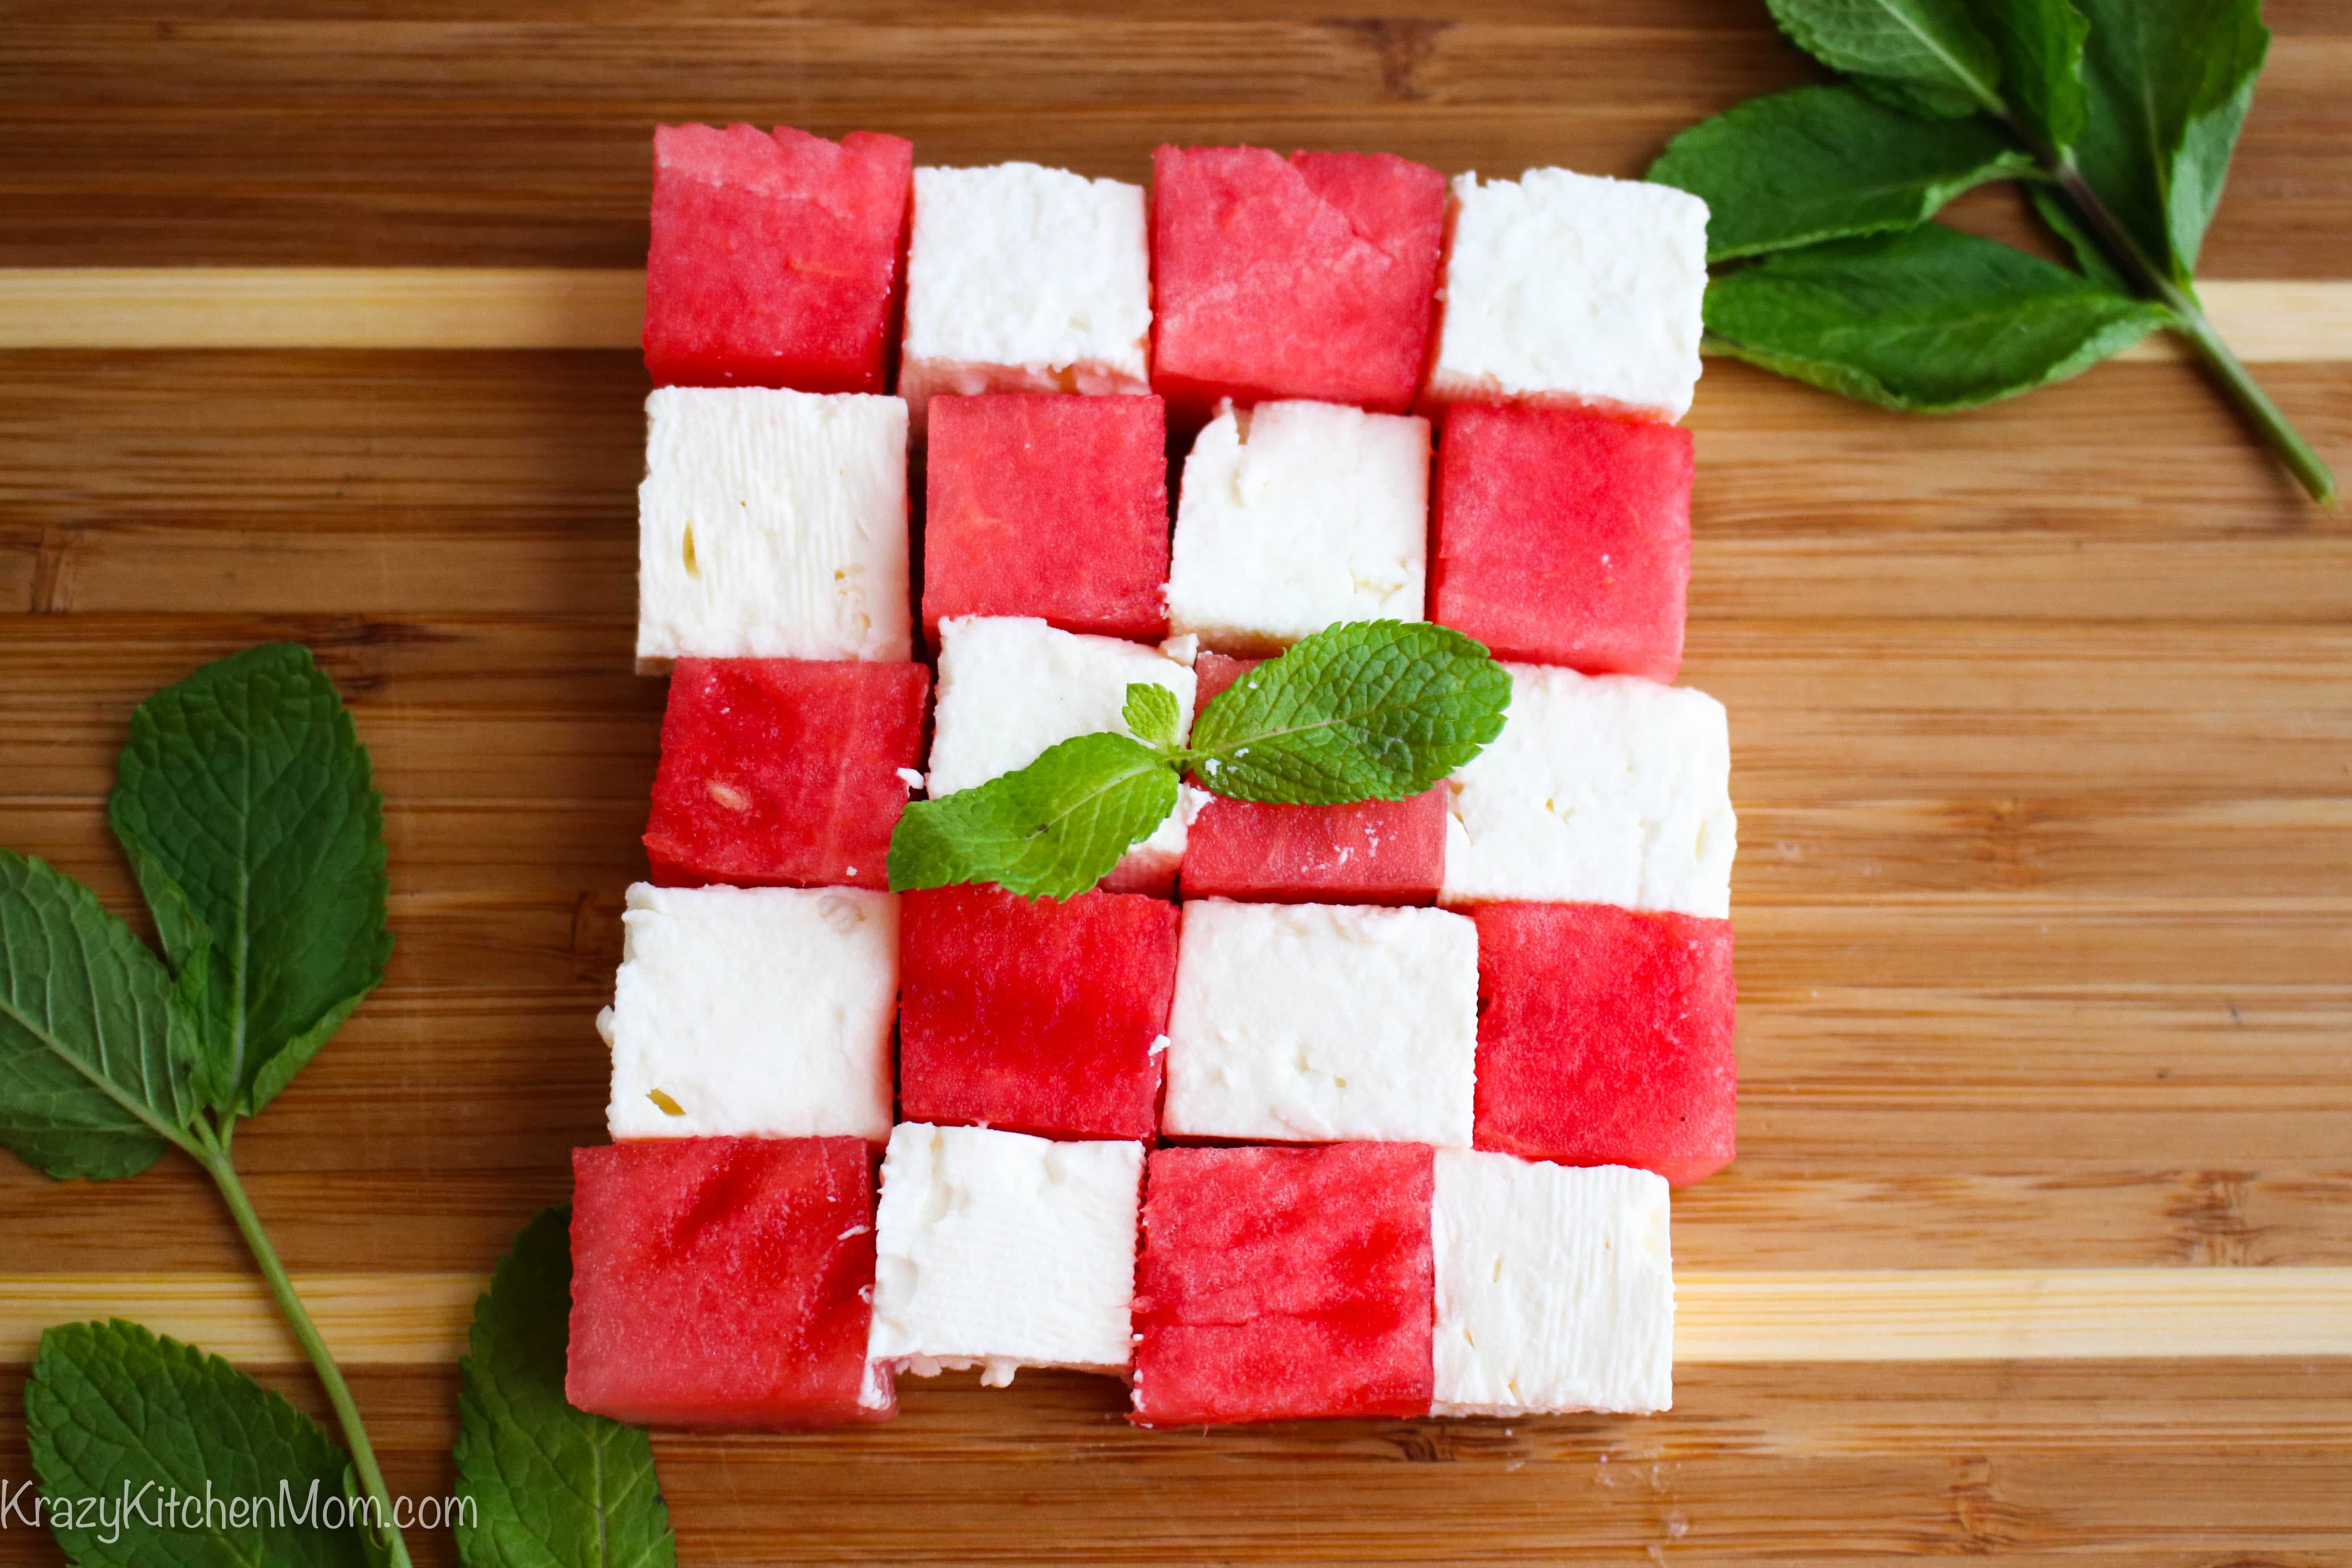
{"x": 1604, "y": 1038}
{"x": 724, "y": 1282}
{"x": 1563, "y": 537}
{"x": 776, "y": 259}
{"x": 1047, "y": 506}
{"x": 1034, "y": 1017}
{"x": 1311, "y": 276}
{"x": 1280, "y": 1284}
{"x": 783, "y": 772}
{"x": 1370, "y": 852}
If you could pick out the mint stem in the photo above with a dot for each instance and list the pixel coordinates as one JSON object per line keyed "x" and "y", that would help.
{"x": 218, "y": 1165}
{"x": 2191, "y": 323}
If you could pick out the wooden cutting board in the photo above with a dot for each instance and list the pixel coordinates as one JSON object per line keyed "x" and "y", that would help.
{"x": 2040, "y": 1241}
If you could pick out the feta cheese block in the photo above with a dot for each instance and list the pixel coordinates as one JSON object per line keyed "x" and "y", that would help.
{"x": 783, "y": 772}
{"x": 772, "y": 525}
{"x": 1601, "y": 789}
{"x": 1011, "y": 687}
{"x": 774, "y": 258}
{"x": 1555, "y": 1288}
{"x": 1282, "y": 1284}
{"x": 765, "y": 1012}
{"x": 1022, "y": 278}
{"x": 1295, "y": 516}
{"x": 1051, "y": 507}
{"x": 1366, "y": 852}
{"x": 1605, "y": 1037}
{"x": 724, "y": 1282}
{"x": 1568, "y": 288}
{"x": 999, "y": 1250}
{"x": 1309, "y": 276}
{"x": 1315, "y": 1023}
{"x": 1563, "y": 537}
{"x": 1036, "y": 1014}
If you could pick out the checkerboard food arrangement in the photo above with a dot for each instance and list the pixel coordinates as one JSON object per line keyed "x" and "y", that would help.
{"x": 1307, "y": 1110}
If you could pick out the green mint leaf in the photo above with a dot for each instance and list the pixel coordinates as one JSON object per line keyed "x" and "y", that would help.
{"x": 2040, "y": 43}
{"x": 2169, "y": 82}
{"x": 92, "y": 1081}
{"x": 1366, "y": 710}
{"x": 1824, "y": 163}
{"x": 1152, "y": 713}
{"x": 2088, "y": 255}
{"x": 110, "y": 1406}
{"x": 1052, "y": 829}
{"x": 1928, "y": 320}
{"x": 245, "y": 803}
{"x": 1925, "y": 56}
{"x": 552, "y": 1487}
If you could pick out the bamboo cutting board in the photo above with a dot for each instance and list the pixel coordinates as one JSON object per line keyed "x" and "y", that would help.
{"x": 2040, "y": 1241}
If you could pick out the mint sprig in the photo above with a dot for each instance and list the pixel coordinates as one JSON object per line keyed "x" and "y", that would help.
{"x": 245, "y": 805}
{"x": 1366, "y": 710}
{"x": 551, "y": 1486}
{"x": 2121, "y": 114}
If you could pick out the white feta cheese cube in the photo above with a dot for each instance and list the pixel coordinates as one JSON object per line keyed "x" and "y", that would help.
{"x": 1568, "y": 287}
{"x": 1555, "y": 1288}
{"x": 1314, "y": 1023}
{"x": 772, "y": 525}
{"x": 1011, "y": 687}
{"x": 1000, "y": 1250}
{"x": 1021, "y": 279}
{"x": 1297, "y": 516}
{"x": 756, "y": 1011}
{"x": 1604, "y": 789}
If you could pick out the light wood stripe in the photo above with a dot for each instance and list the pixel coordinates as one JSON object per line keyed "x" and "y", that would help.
{"x": 560, "y": 307}
{"x": 1918, "y": 1315}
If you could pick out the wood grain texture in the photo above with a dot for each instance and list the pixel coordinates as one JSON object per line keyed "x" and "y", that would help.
{"x": 2043, "y": 718}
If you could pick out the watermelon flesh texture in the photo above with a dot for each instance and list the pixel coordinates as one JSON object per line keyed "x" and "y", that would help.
{"x": 783, "y": 772}
{"x": 1368, "y": 852}
{"x": 775, "y": 260}
{"x": 1312, "y": 277}
{"x": 1563, "y": 537}
{"x": 1605, "y": 1037}
{"x": 724, "y": 1282}
{"x": 1281, "y": 1284}
{"x": 1031, "y": 1016}
{"x": 1051, "y": 507}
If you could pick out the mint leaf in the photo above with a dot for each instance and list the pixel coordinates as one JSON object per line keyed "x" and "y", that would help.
{"x": 111, "y": 1408}
{"x": 1366, "y": 710}
{"x": 243, "y": 801}
{"x": 2088, "y": 254}
{"x": 2169, "y": 82}
{"x": 1928, "y": 320}
{"x": 552, "y": 1486}
{"x": 91, "y": 1083}
{"x": 1823, "y": 162}
{"x": 1052, "y": 829}
{"x": 2040, "y": 43}
{"x": 1152, "y": 713}
{"x": 1926, "y": 57}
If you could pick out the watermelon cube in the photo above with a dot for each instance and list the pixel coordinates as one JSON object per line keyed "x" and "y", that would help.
{"x": 1308, "y": 277}
{"x": 1283, "y": 1284}
{"x": 1038, "y": 1016}
{"x": 1050, "y": 507}
{"x": 1563, "y": 537}
{"x": 1565, "y": 288}
{"x": 774, "y": 259}
{"x": 725, "y": 1282}
{"x": 1022, "y": 278}
{"x": 1371, "y": 852}
{"x": 783, "y": 772}
{"x": 1604, "y": 1038}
